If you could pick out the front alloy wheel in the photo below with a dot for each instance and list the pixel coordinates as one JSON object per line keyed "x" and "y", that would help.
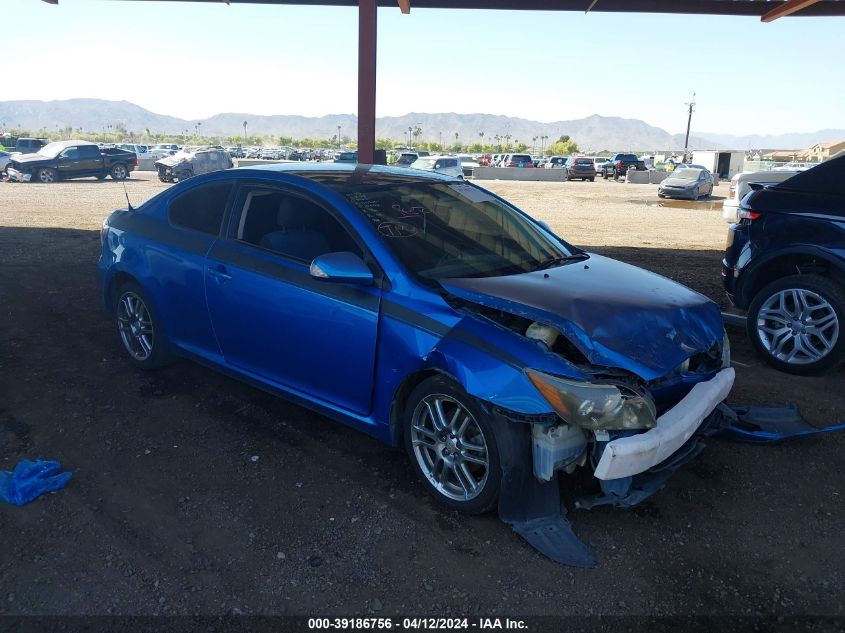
{"x": 452, "y": 446}
{"x": 795, "y": 321}
{"x": 46, "y": 175}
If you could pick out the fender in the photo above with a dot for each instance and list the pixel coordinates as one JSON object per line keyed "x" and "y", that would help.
{"x": 749, "y": 273}
{"x": 489, "y": 361}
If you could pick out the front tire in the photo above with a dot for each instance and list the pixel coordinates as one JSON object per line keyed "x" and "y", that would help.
{"x": 795, "y": 324}
{"x": 46, "y": 175}
{"x": 452, "y": 446}
{"x": 138, "y": 328}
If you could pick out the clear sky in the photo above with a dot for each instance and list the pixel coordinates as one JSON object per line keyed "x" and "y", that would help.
{"x": 193, "y": 60}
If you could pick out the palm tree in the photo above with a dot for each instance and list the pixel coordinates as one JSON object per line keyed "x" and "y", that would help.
{"x": 481, "y": 135}
{"x": 508, "y": 139}
{"x": 244, "y": 132}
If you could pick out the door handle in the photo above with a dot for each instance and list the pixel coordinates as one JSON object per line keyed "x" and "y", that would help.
{"x": 220, "y": 273}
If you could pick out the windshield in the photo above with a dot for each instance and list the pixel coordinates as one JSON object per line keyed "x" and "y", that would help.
{"x": 423, "y": 163}
{"x": 687, "y": 173}
{"x": 51, "y": 150}
{"x": 442, "y": 231}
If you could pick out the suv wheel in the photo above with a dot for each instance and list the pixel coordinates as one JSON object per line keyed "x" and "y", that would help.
{"x": 795, "y": 323}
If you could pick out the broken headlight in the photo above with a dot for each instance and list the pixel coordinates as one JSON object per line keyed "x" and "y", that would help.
{"x": 595, "y": 406}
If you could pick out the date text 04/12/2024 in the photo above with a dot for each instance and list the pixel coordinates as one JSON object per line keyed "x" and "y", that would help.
{"x": 415, "y": 624}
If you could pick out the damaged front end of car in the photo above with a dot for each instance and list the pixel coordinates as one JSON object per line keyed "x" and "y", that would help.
{"x": 627, "y": 381}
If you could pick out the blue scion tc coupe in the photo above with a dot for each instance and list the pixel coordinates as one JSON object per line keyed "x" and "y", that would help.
{"x": 427, "y": 312}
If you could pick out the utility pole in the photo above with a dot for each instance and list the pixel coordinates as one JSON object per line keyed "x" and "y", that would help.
{"x": 691, "y": 106}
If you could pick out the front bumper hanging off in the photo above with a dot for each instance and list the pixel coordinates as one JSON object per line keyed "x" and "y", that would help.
{"x": 18, "y": 176}
{"x": 634, "y": 454}
{"x": 630, "y": 469}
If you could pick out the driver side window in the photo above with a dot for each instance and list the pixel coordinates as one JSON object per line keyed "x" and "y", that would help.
{"x": 290, "y": 225}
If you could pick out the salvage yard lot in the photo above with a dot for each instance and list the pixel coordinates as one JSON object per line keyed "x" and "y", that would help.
{"x": 193, "y": 493}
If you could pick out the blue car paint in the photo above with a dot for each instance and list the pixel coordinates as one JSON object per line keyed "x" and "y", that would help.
{"x": 617, "y": 315}
{"x": 346, "y": 350}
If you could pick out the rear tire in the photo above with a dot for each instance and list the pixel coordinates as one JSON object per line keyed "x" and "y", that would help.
{"x": 139, "y": 328}
{"x": 119, "y": 172}
{"x": 452, "y": 446}
{"x": 795, "y": 324}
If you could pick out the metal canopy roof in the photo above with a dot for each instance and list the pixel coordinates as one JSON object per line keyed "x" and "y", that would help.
{"x": 753, "y": 8}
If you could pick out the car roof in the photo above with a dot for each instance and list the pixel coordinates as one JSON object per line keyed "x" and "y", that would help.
{"x": 825, "y": 178}
{"x": 72, "y": 143}
{"x": 342, "y": 175}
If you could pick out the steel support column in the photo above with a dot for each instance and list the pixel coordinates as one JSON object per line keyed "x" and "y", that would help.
{"x": 367, "y": 33}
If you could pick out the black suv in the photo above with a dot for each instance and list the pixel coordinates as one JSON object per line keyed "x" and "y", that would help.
{"x": 785, "y": 264}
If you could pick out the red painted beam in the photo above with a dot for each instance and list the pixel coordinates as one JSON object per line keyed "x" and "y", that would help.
{"x": 367, "y": 34}
{"x": 787, "y": 8}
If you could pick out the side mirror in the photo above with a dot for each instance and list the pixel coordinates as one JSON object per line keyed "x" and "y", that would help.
{"x": 342, "y": 267}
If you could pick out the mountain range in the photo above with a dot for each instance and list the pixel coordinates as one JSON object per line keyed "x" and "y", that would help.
{"x": 593, "y": 133}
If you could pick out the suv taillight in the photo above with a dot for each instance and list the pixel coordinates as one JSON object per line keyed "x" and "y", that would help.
{"x": 745, "y": 214}
{"x": 619, "y": 164}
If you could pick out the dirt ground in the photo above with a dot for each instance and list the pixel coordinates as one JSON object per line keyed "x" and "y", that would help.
{"x": 194, "y": 494}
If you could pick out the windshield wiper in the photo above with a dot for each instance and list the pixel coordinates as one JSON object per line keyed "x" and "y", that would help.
{"x": 556, "y": 261}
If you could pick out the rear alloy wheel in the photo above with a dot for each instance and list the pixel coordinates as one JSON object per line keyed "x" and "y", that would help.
{"x": 119, "y": 172}
{"x": 794, "y": 323}
{"x": 452, "y": 446}
{"x": 46, "y": 175}
{"x": 138, "y": 328}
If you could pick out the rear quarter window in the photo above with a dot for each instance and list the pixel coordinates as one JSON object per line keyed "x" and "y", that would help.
{"x": 201, "y": 208}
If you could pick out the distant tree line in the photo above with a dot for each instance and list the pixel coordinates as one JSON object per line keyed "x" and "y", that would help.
{"x": 119, "y": 134}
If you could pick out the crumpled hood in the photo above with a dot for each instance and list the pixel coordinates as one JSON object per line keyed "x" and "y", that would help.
{"x": 177, "y": 159}
{"x": 28, "y": 158}
{"x": 617, "y": 315}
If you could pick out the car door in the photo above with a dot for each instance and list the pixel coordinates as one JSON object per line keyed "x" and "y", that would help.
{"x": 177, "y": 263}
{"x": 70, "y": 162}
{"x": 706, "y": 181}
{"x": 90, "y": 159}
{"x": 276, "y": 322}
